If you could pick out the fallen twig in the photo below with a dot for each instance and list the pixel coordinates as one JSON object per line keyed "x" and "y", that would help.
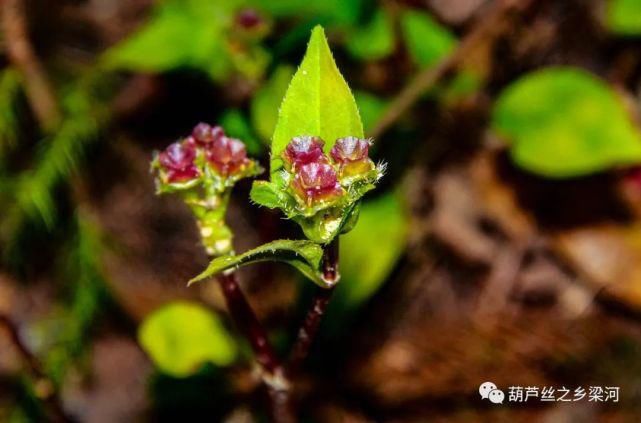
{"x": 37, "y": 86}
{"x": 489, "y": 26}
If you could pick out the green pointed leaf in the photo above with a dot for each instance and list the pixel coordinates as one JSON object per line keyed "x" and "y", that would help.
{"x": 303, "y": 255}
{"x": 182, "y": 336}
{"x": 565, "y": 122}
{"x": 624, "y": 16}
{"x": 318, "y": 102}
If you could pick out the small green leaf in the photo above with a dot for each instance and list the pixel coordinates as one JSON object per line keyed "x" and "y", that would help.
{"x": 303, "y": 255}
{"x": 174, "y": 36}
{"x": 374, "y": 40}
{"x": 624, "y": 16}
{"x": 264, "y": 106}
{"x": 364, "y": 262}
{"x": 189, "y": 33}
{"x": 318, "y": 102}
{"x": 182, "y": 336}
{"x": 266, "y": 194}
{"x": 427, "y": 41}
{"x": 565, "y": 122}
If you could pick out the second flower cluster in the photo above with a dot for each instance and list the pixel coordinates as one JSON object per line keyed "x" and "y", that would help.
{"x": 316, "y": 178}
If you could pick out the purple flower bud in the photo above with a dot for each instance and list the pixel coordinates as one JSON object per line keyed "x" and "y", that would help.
{"x": 316, "y": 181}
{"x": 350, "y": 149}
{"x": 227, "y": 155}
{"x": 351, "y": 154}
{"x": 205, "y": 134}
{"x": 248, "y": 18}
{"x": 304, "y": 150}
{"x": 178, "y": 162}
{"x": 190, "y": 143}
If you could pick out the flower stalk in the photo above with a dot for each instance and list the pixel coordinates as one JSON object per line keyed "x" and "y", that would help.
{"x": 272, "y": 372}
{"x": 308, "y": 330}
{"x": 203, "y": 168}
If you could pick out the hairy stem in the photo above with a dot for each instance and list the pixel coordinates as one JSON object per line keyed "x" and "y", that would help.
{"x": 309, "y": 328}
{"x": 49, "y": 396}
{"x": 273, "y": 375}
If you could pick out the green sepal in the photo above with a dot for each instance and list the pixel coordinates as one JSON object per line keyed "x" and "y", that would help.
{"x": 267, "y": 194}
{"x": 305, "y": 256}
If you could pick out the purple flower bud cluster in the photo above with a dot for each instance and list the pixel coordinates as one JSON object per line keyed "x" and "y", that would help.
{"x": 225, "y": 156}
{"x": 317, "y": 177}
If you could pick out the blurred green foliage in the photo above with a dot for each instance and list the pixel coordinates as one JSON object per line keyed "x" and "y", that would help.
{"x": 60, "y": 154}
{"x": 373, "y": 40}
{"x": 82, "y": 272}
{"x": 624, "y": 16}
{"x": 237, "y": 125}
{"x": 181, "y": 337}
{"x": 465, "y": 83}
{"x": 371, "y": 108}
{"x": 370, "y": 251}
{"x": 266, "y": 102}
{"x": 565, "y": 122}
{"x": 330, "y": 13}
{"x": 33, "y": 203}
{"x": 10, "y": 88}
{"x": 191, "y": 33}
{"x": 427, "y": 41}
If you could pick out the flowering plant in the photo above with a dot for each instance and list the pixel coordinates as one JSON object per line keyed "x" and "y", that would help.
{"x": 320, "y": 170}
{"x": 203, "y": 168}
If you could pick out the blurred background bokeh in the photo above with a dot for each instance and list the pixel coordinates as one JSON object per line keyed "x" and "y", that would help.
{"x": 503, "y": 244}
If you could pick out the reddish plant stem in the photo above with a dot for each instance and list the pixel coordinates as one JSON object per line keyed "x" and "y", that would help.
{"x": 272, "y": 370}
{"x": 51, "y": 398}
{"x": 330, "y": 263}
{"x": 248, "y": 324}
{"x": 309, "y": 328}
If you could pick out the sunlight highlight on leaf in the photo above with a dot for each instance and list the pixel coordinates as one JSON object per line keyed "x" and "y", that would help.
{"x": 182, "y": 336}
